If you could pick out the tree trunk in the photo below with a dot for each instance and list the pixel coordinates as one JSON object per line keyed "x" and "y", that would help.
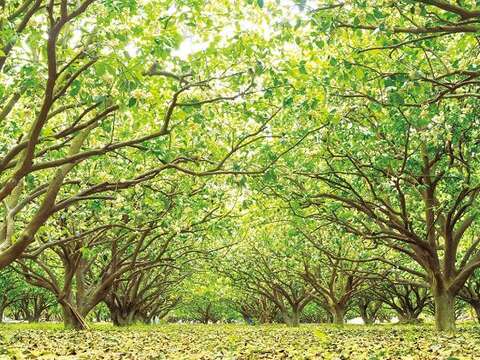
{"x": 114, "y": 316}
{"x": 147, "y": 320}
{"x": 264, "y": 319}
{"x": 328, "y": 317}
{"x": 408, "y": 317}
{"x": 265, "y": 316}
{"x": 476, "y": 307}
{"x": 338, "y": 313}
{"x": 407, "y": 314}
{"x": 72, "y": 319}
{"x": 37, "y": 314}
{"x": 444, "y": 311}
{"x": 127, "y": 320}
{"x": 295, "y": 318}
{"x": 123, "y": 318}
{"x": 291, "y": 320}
{"x": 367, "y": 320}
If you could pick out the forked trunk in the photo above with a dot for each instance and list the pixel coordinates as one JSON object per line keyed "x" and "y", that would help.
{"x": 407, "y": 315}
{"x": 367, "y": 320}
{"x": 72, "y": 319}
{"x": 123, "y": 318}
{"x": 408, "y": 318}
{"x": 127, "y": 320}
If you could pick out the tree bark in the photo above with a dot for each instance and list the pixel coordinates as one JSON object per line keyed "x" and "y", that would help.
{"x": 363, "y": 309}
{"x": 291, "y": 319}
{"x": 295, "y": 318}
{"x": 125, "y": 319}
{"x": 444, "y": 311}
{"x": 120, "y": 318}
{"x": 338, "y": 313}
{"x": 72, "y": 319}
{"x": 476, "y": 307}
{"x": 408, "y": 318}
{"x": 123, "y": 316}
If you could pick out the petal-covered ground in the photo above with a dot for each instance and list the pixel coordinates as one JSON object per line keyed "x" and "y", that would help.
{"x": 238, "y": 342}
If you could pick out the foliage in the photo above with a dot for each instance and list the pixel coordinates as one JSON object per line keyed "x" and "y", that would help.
{"x": 249, "y": 342}
{"x": 272, "y": 161}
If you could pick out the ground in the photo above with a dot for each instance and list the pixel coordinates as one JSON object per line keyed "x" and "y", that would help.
{"x": 43, "y": 341}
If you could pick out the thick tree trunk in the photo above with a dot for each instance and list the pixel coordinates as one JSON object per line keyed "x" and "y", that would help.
{"x": 265, "y": 316}
{"x": 72, "y": 319}
{"x": 37, "y": 314}
{"x": 265, "y": 319}
{"x": 338, "y": 313}
{"x": 328, "y": 317}
{"x": 114, "y": 317}
{"x": 145, "y": 319}
{"x": 367, "y": 320}
{"x": 444, "y": 311}
{"x": 291, "y": 319}
{"x": 123, "y": 318}
{"x": 127, "y": 320}
{"x": 295, "y": 318}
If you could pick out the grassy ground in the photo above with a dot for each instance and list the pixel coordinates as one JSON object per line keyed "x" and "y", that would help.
{"x": 49, "y": 341}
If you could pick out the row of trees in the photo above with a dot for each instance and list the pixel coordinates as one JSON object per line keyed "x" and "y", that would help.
{"x": 108, "y": 139}
{"x": 259, "y": 285}
{"x": 136, "y": 142}
{"x": 292, "y": 263}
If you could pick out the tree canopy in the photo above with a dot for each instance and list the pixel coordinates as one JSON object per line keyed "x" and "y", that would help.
{"x": 271, "y": 161}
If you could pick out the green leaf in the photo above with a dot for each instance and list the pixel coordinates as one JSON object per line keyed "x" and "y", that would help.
{"x": 132, "y": 102}
{"x": 75, "y": 87}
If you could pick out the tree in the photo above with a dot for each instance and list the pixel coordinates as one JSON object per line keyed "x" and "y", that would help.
{"x": 406, "y": 299}
{"x": 143, "y": 296}
{"x": 34, "y": 304}
{"x": 268, "y": 271}
{"x": 336, "y": 281}
{"x": 471, "y": 293}
{"x": 254, "y": 307}
{"x": 205, "y": 299}
{"x": 96, "y": 122}
{"x": 86, "y": 265}
{"x": 11, "y": 287}
{"x": 369, "y": 306}
{"x": 409, "y": 187}
{"x": 315, "y": 312}
{"x": 413, "y": 52}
